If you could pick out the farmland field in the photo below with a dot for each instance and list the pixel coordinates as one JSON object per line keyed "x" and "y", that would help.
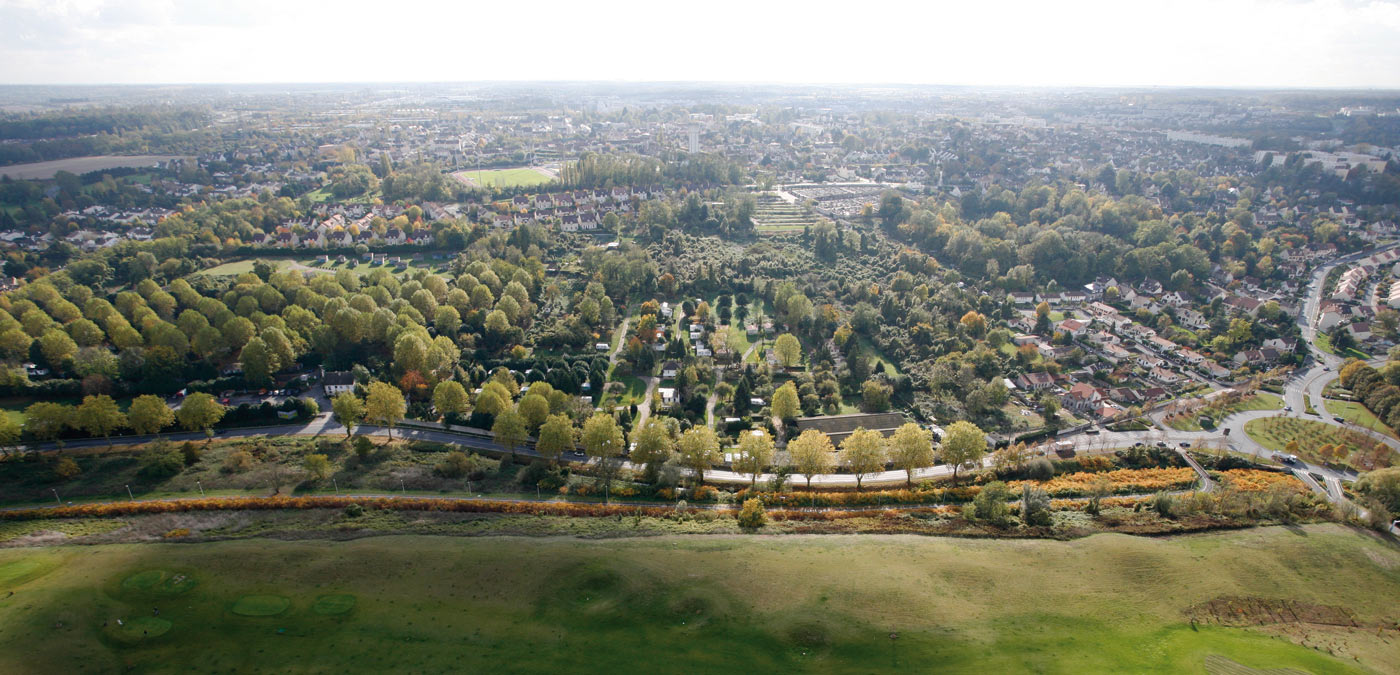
{"x": 505, "y": 178}
{"x": 1109, "y": 603}
{"x": 80, "y": 165}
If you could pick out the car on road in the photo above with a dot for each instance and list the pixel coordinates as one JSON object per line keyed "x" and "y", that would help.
{"x": 1161, "y": 444}
{"x": 1286, "y": 459}
{"x": 1339, "y": 420}
{"x": 1288, "y": 408}
{"x": 1184, "y": 444}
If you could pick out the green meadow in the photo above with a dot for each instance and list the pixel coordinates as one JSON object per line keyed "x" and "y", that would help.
{"x": 1108, "y": 603}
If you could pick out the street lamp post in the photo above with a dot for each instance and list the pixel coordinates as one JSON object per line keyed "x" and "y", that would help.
{"x": 336, "y": 485}
{"x": 129, "y": 495}
{"x": 201, "y": 488}
{"x": 55, "y": 496}
{"x": 403, "y": 490}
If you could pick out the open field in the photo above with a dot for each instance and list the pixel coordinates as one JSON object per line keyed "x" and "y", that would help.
{"x": 1190, "y": 421}
{"x": 80, "y": 165}
{"x": 1274, "y": 433}
{"x": 503, "y": 178}
{"x": 1358, "y": 414}
{"x": 715, "y": 604}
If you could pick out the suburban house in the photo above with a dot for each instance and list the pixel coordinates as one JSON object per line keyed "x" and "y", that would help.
{"x": 1035, "y": 381}
{"x": 337, "y": 382}
{"x": 670, "y": 369}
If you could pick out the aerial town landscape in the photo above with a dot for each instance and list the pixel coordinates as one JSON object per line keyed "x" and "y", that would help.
{"x": 625, "y": 376}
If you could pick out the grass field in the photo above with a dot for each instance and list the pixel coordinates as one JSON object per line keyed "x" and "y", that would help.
{"x": 1324, "y": 342}
{"x": 1109, "y": 603}
{"x": 80, "y": 165}
{"x": 504, "y": 178}
{"x": 1259, "y": 401}
{"x": 1275, "y": 433}
{"x": 1358, "y": 414}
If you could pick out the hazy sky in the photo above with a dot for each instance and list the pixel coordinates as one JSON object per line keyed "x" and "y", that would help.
{"x": 1257, "y": 43}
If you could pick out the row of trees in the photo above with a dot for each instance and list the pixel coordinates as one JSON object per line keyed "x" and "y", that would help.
{"x": 99, "y": 415}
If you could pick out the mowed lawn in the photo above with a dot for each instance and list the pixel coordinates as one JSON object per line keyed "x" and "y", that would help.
{"x": 1274, "y": 433}
{"x": 1357, "y": 413}
{"x": 722, "y": 604}
{"x": 1262, "y": 400}
{"x": 503, "y": 178}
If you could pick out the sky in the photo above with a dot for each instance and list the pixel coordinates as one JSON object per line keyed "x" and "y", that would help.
{"x": 1096, "y": 43}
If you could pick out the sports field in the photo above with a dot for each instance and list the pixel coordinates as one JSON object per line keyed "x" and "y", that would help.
{"x": 504, "y": 178}
{"x": 1109, "y": 603}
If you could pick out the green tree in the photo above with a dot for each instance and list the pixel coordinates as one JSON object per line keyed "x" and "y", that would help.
{"x": 149, "y": 414}
{"x": 752, "y": 516}
{"x": 318, "y": 465}
{"x": 534, "y": 409}
{"x": 911, "y": 448}
{"x": 99, "y": 415}
{"x": 384, "y": 405}
{"x": 990, "y": 504}
{"x": 47, "y": 421}
{"x": 863, "y": 452}
{"x": 200, "y": 411}
{"x": 348, "y": 410}
{"x": 57, "y": 347}
{"x": 964, "y": 443}
{"x": 698, "y": 449}
{"x": 788, "y": 349}
{"x": 812, "y": 454}
{"x": 450, "y": 398}
{"x": 509, "y": 430}
{"x": 755, "y": 454}
{"x": 785, "y": 402}
{"x": 602, "y": 439}
{"x": 259, "y": 362}
{"x": 556, "y": 437}
{"x": 654, "y": 444}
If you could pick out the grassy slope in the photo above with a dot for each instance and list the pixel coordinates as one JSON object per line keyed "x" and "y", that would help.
{"x": 1259, "y": 401}
{"x": 825, "y": 604}
{"x": 1358, "y": 414}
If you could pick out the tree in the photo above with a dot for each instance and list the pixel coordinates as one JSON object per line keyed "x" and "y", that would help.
{"x": 47, "y": 421}
{"x": 755, "y": 454}
{"x": 788, "y": 349}
{"x": 752, "y": 516}
{"x": 875, "y": 395}
{"x": 259, "y": 362}
{"x": 384, "y": 405}
{"x": 811, "y": 453}
{"x": 450, "y": 398}
{"x": 785, "y": 402}
{"x": 10, "y": 431}
{"x": 699, "y": 450}
{"x": 601, "y": 437}
{"x": 863, "y": 452}
{"x": 556, "y": 437}
{"x": 200, "y": 411}
{"x": 964, "y": 443}
{"x": 602, "y": 440}
{"x": 654, "y": 443}
{"x": 149, "y": 414}
{"x": 1382, "y": 485}
{"x": 533, "y": 408}
{"x": 348, "y": 410}
{"x": 990, "y": 504}
{"x": 318, "y": 465}
{"x": 509, "y": 430}
{"x": 911, "y": 447}
{"x": 57, "y": 347}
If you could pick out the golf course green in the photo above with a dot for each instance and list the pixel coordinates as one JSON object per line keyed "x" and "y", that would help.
{"x": 1107, "y": 603}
